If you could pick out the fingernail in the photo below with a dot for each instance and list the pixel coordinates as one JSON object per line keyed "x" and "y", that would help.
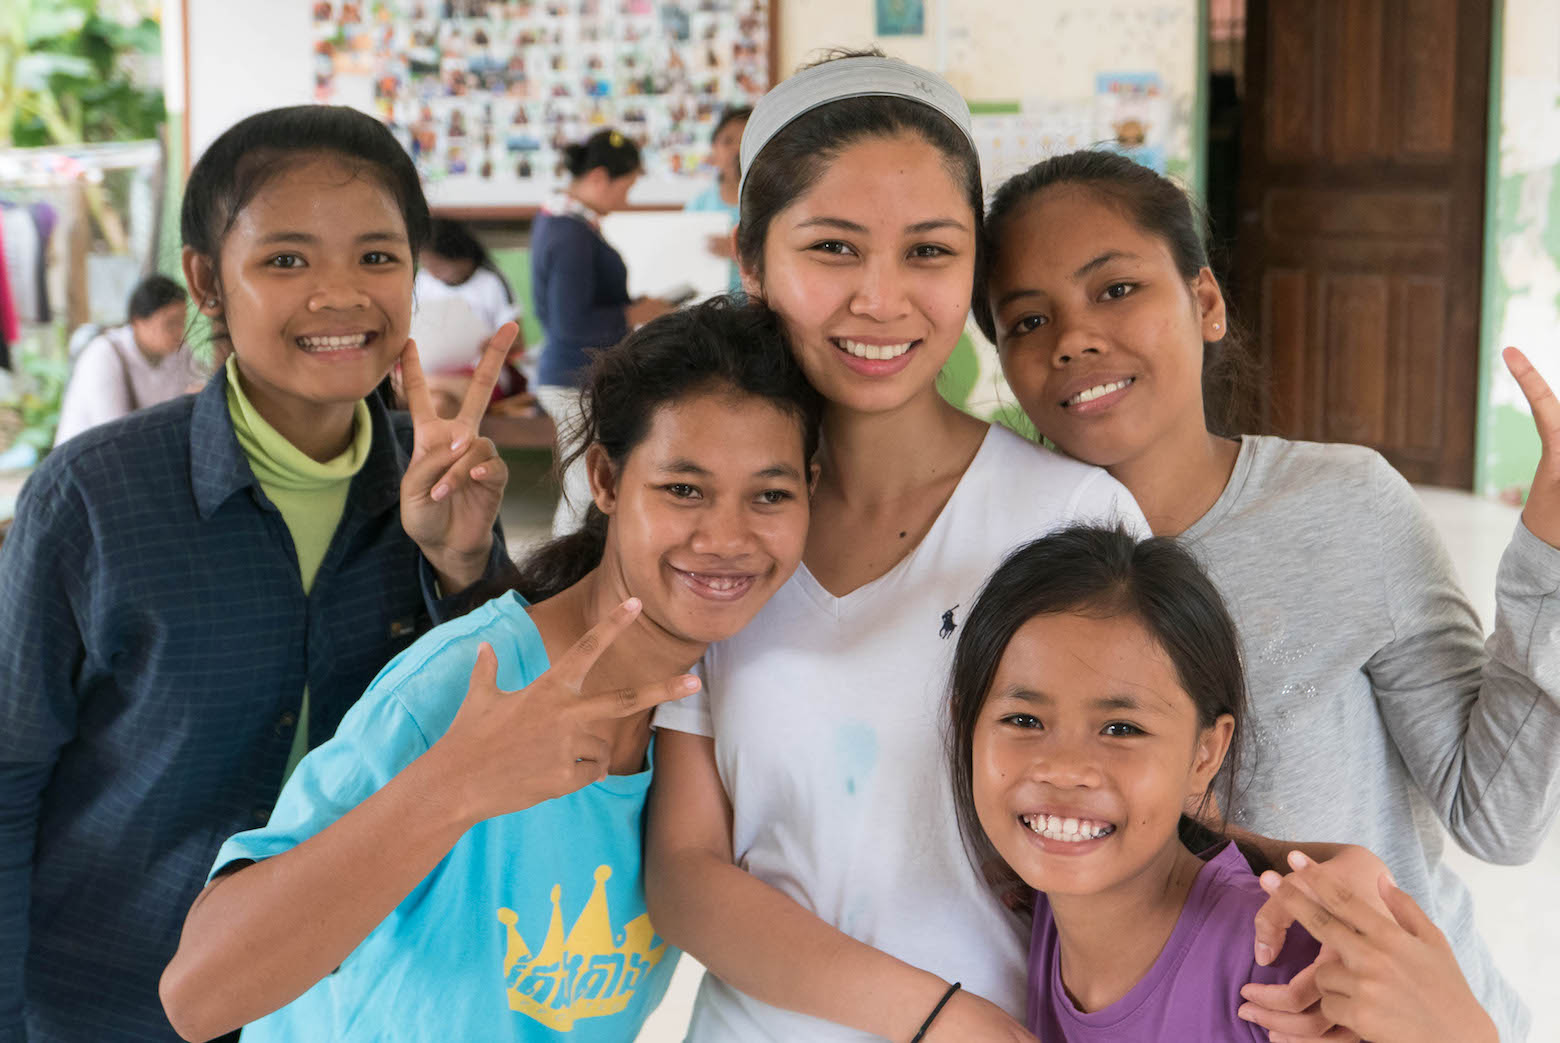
{"x": 632, "y": 604}
{"x": 440, "y": 492}
{"x": 1264, "y": 953}
{"x": 1298, "y": 859}
{"x": 689, "y": 684}
{"x": 479, "y": 472}
{"x": 456, "y": 445}
{"x": 1243, "y": 1012}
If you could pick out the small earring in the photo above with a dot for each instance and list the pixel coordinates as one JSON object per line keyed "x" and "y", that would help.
{"x": 211, "y": 302}
{"x": 1217, "y": 326}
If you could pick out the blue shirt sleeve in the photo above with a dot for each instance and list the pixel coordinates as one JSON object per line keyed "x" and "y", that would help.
{"x": 406, "y": 709}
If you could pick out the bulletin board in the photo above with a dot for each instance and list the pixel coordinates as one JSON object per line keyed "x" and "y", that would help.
{"x": 485, "y": 94}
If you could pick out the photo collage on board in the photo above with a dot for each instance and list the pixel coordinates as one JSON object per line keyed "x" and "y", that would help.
{"x": 486, "y": 91}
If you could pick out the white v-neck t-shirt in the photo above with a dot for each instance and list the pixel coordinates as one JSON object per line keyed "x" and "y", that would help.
{"x": 827, "y": 715}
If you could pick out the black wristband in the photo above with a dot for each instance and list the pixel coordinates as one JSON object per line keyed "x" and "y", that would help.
{"x": 920, "y": 1033}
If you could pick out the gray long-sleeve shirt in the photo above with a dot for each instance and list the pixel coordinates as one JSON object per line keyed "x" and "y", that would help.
{"x": 1377, "y": 713}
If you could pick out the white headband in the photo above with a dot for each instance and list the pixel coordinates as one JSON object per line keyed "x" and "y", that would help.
{"x": 847, "y": 78}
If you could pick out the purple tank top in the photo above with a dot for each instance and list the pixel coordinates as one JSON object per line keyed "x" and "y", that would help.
{"x": 1193, "y": 989}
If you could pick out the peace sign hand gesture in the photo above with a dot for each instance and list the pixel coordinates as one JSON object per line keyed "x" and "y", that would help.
{"x": 508, "y": 751}
{"x": 1542, "y": 513}
{"x": 454, "y": 485}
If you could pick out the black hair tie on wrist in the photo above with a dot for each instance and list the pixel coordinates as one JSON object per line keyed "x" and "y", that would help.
{"x": 920, "y": 1033}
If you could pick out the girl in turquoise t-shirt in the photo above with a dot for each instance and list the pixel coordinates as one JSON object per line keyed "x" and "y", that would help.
{"x": 464, "y": 862}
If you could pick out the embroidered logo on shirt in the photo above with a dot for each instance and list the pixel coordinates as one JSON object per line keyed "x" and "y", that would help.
{"x": 948, "y": 624}
{"x": 583, "y": 974}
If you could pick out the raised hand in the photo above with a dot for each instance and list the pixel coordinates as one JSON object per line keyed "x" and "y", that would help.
{"x": 454, "y": 485}
{"x": 507, "y": 751}
{"x": 1391, "y": 977}
{"x": 1542, "y": 513}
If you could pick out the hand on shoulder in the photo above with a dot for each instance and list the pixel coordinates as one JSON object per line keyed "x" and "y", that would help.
{"x": 1386, "y": 973}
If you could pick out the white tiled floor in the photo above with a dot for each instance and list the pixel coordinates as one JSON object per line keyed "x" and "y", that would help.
{"x": 1517, "y": 907}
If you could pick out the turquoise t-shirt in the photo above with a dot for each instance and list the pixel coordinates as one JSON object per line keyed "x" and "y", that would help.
{"x": 532, "y": 928}
{"x": 710, "y": 200}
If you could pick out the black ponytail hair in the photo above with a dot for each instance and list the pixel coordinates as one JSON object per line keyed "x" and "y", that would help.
{"x": 609, "y": 149}
{"x": 724, "y": 344}
{"x": 1105, "y": 572}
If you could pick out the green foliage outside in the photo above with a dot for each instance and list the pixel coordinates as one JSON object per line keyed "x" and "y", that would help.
{"x": 69, "y": 76}
{"x": 75, "y": 72}
{"x": 38, "y": 408}
{"x": 66, "y": 73}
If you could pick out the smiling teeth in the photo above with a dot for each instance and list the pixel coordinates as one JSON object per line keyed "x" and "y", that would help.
{"x": 356, "y": 340}
{"x": 1092, "y": 393}
{"x": 720, "y": 582}
{"x": 1070, "y": 830}
{"x": 877, "y": 352}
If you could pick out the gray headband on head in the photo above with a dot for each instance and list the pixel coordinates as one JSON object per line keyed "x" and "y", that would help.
{"x": 868, "y": 76}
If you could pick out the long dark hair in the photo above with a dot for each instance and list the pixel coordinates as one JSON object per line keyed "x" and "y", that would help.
{"x": 726, "y": 343}
{"x": 1098, "y": 571}
{"x": 794, "y": 159}
{"x": 1159, "y": 207}
{"x": 253, "y": 151}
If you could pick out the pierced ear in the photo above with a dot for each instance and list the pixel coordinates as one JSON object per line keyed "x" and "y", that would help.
{"x": 200, "y": 274}
{"x": 813, "y": 471}
{"x": 1210, "y": 306}
{"x": 603, "y": 482}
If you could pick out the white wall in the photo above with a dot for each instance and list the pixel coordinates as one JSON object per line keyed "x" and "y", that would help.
{"x": 245, "y": 56}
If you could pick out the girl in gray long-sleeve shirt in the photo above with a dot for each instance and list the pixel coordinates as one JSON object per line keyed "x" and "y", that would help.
{"x": 1379, "y": 715}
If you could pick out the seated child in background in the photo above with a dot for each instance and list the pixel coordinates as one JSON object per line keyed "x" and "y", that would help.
{"x": 461, "y": 299}
{"x": 133, "y": 366}
{"x": 1097, "y": 692}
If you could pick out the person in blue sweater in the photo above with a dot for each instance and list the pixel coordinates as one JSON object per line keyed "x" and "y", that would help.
{"x": 579, "y": 284}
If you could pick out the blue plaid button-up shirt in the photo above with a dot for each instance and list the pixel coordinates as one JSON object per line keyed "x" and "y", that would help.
{"x": 155, "y": 641}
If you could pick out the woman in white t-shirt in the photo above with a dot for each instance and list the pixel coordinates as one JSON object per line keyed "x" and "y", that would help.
{"x": 802, "y": 838}
{"x": 133, "y": 366}
{"x": 461, "y": 300}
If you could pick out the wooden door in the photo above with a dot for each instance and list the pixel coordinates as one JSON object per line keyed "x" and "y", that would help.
{"x": 1362, "y": 216}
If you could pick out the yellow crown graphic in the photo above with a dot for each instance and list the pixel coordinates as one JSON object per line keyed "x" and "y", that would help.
{"x": 581, "y": 975}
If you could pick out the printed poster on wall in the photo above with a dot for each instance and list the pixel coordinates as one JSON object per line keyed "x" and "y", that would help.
{"x": 1133, "y": 115}
{"x": 485, "y": 94}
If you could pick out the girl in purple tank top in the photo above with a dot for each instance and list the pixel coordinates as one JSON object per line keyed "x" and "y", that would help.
{"x": 1097, "y": 695}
